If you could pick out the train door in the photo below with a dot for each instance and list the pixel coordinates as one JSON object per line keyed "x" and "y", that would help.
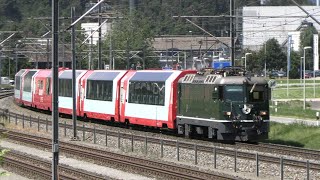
{"x": 122, "y": 99}
{"x": 39, "y": 89}
{"x": 81, "y": 96}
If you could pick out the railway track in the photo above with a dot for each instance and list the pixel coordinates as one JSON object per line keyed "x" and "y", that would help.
{"x": 219, "y": 148}
{"x": 41, "y": 169}
{"x": 6, "y": 93}
{"x": 157, "y": 168}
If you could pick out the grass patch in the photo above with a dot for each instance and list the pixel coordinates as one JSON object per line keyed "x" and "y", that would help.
{"x": 295, "y": 92}
{"x": 294, "y": 81}
{"x": 293, "y": 109}
{"x": 6, "y": 86}
{"x": 292, "y": 135}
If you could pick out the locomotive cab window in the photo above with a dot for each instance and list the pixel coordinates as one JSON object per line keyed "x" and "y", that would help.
{"x": 256, "y": 93}
{"x": 233, "y": 93}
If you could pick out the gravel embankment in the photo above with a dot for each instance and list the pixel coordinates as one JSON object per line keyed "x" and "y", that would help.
{"x": 245, "y": 168}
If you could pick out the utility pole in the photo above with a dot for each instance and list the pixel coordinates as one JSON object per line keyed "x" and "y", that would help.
{"x": 232, "y": 49}
{"x": 36, "y": 58}
{"x": 74, "y": 66}
{"x": 48, "y": 58}
{"x": 90, "y": 53}
{"x": 0, "y": 64}
{"x": 143, "y": 55}
{"x": 99, "y": 41}
{"x": 127, "y": 52}
{"x": 171, "y": 52}
{"x": 16, "y": 58}
{"x": 9, "y": 67}
{"x": 131, "y": 4}
{"x": 111, "y": 64}
{"x": 63, "y": 59}
{"x": 55, "y": 94}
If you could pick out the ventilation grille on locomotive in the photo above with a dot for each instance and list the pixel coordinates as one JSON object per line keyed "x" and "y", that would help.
{"x": 210, "y": 79}
{"x": 188, "y": 78}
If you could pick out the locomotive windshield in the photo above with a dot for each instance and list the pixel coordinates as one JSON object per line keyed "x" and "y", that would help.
{"x": 233, "y": 93}
{"x": 256, "y": 93}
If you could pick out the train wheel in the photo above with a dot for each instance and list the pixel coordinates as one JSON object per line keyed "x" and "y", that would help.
{"x": 85, "y": 118}
{"x": 127, "y": 124}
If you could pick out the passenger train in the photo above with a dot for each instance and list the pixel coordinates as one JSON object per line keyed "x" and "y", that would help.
{"x": 220, "y": 105}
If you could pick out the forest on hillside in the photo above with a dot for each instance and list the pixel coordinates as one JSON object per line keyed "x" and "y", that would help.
{"x": 140, "y": 22}
{"x": 21, "y": 15}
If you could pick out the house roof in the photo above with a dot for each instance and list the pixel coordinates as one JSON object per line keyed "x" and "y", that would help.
{"x": 189, "y": 42}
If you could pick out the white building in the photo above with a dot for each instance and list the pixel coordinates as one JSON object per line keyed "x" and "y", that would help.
{"x": 261, "y": 23}
{"x": 91, "y": 27}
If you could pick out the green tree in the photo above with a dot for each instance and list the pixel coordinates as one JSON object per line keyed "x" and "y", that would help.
{"x": 276, "y": 59}
{"x": 295, "y": 59}
{"x": 131, "y": 33}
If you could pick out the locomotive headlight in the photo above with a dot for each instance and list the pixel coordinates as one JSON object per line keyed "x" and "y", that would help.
{"x": 263, "y": 113}
{"x": 228, "y": 113}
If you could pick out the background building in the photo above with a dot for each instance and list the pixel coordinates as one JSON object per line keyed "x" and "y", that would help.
{"x": 261, "y": 23}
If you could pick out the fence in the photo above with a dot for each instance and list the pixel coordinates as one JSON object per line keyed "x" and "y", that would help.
{"x": 7, "y": 115}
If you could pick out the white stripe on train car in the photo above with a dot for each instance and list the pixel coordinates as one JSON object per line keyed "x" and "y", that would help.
{"x": 216, "y": 120}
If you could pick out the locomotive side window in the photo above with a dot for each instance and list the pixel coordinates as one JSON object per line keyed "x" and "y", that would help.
{"x": 147, "y": 93}
{"x": 233, "y": 93}
{"x": 65, "y": 87}
{"x": 99, "y": 90}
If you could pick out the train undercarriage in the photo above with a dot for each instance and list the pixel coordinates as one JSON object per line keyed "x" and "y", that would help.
{"x": 223, "y": 129}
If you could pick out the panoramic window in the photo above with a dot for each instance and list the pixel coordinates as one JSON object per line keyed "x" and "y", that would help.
{"x": 99, "y": 90}
{"x": 65, "y": 87}
{"x": 27, "y": 81}
{"x": 152, "y": 93}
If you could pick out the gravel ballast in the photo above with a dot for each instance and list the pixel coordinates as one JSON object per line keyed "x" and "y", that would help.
{"x": 225, "y": 164}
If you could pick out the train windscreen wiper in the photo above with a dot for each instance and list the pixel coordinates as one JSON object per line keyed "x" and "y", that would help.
{"x": 254, "y": 85}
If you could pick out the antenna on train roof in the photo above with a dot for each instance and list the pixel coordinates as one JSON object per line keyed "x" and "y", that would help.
{"x": 225, "y": 71}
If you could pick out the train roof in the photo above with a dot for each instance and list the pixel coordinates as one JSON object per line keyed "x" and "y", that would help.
{"x": 241, "y": 80}
{"x": 105, "y": 75}
{"x": 44, "y": 73}
{"x": 67, "y": 74}
{"x": 220, "y": 79}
